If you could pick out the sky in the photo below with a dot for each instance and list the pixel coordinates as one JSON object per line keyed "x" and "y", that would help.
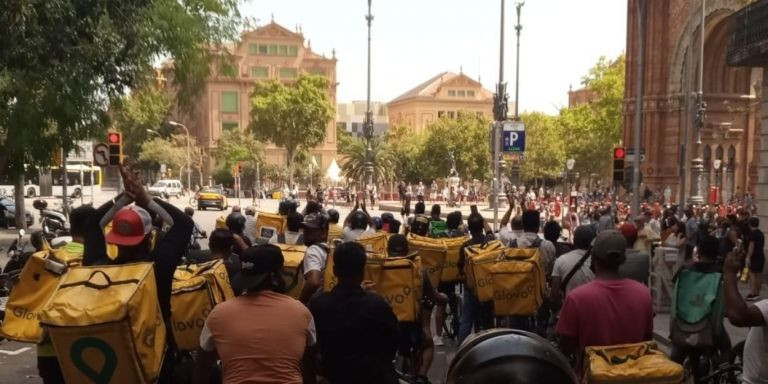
{"x": 414, "y": 40}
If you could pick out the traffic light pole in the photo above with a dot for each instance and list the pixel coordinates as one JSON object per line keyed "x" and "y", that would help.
{"x": 640, "y": 61}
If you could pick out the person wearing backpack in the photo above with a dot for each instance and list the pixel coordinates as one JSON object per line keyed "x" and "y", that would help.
{"x": 316, "y": 256}
{"x": 573, "y": 269}
{"x": 700, "y": 326}
{"x": 292, "y": 235}
{"x": 530, "y": 239}
{"x": 472, "y": 311}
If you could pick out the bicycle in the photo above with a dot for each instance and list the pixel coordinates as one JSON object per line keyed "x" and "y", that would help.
{"x": 453, "y": 314}
{"x": 706, "y": 367}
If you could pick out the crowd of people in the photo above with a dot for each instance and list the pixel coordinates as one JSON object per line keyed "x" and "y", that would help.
{"x": 596, "y": 266}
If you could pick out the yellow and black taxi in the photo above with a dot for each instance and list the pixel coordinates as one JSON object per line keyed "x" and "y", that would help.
{"x": 211, "y": 197}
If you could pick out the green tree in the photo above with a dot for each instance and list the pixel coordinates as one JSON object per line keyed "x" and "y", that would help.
{"x": 406, "y": 148}
{"x": 467, "y": 138}
{"x": 235, "y": 145}
{"x": 134, "y": 114}
{"x": 292, "y": 116}
{"x": 62, "y": 62}
{"x": 545, "y": 147}
{"x": 354, "y": 159}
{"x": 171, "y": 151}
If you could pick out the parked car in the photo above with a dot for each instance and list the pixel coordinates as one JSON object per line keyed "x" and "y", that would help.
{"x": 211, "y": 197}
{"x": 166, "y": 188}
{"x": 8, "y": 214}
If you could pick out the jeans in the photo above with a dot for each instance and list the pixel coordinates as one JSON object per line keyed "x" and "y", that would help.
{"x": 470, "y": 312}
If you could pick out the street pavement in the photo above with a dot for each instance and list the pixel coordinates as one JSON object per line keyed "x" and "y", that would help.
{"x": 17, "y": 360}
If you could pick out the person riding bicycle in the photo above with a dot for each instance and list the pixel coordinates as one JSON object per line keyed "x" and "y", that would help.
{"x": 197, "y": 232}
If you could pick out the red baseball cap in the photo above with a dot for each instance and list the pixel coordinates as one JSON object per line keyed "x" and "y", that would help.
{"x": 129, "y": 226}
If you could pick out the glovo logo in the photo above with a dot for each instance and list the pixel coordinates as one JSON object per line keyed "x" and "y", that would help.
{"x": 25, "y": 313}
{"x": 398, "y": 298}
{"x": 450, "y": 264}
{"x": 192, "y": 324}
{"x": 484, "y": 282}
{"x": 101, "y": 375}
{"x": 524, "y": 293}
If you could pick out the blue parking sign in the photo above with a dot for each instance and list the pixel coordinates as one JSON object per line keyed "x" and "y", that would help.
{"x": 513, "y": 138}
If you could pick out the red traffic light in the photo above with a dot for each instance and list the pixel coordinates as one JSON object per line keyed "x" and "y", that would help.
{"x": 113, "y": 138}
{"x": 619, "y": 153}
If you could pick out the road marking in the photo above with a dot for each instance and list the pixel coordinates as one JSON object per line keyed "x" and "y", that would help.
{"x": 16, "y": 352}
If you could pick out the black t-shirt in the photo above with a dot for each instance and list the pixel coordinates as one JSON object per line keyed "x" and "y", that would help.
{"x": 758, "y": 239}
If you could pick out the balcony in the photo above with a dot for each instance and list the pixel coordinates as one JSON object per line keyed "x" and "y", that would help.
{"x": 749, "y": 36}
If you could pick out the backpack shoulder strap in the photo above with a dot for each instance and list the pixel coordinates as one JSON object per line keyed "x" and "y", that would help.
{"x": 536, "y": 243}
{"x": 573, "y": 270}
{"x": 513, "y": 243}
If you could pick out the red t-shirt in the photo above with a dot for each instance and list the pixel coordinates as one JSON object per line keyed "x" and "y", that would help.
{"x": 607, "y": 312}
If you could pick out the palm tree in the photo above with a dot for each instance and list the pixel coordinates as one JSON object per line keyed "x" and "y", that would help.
{"x": 353, "y": 166}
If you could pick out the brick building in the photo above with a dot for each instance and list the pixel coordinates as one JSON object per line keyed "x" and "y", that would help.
{"x": 672, "y": 41}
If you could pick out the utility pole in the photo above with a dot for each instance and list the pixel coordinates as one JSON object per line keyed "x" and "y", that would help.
{"x": 687, "y": 116}
{"x": 368, "y": 124}
{"x": 500, "y": 114}
{"x": 635, "y": 208}
{"x": 518, "y": 28}
{"x": 697, "y": 163}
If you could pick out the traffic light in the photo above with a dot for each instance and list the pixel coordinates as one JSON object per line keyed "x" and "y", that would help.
{"x": 115, "y": 142}
{"x": 618, "y": 164}
{"x": 239, "y": 168}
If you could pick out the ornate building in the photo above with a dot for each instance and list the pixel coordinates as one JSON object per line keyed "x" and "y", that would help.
{"x": 271, "y": 51}
{"x": 442, "y": 95}
{"x": 672, "y": 50}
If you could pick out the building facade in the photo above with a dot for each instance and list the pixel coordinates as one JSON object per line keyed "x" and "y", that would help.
{"x": 269, "y": 52}
{"x": 443, "y": 95}
{"x": 350, "y": 117}
{"x": 671, "y": 77}
{"x": 581, "y": 96}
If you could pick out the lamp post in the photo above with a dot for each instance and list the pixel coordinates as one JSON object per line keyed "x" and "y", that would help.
{"x": 189, "y": 170}
{"x": 368, "y": 124}
{"x": 697, "y": 163}
{"x": 568, "y": 167}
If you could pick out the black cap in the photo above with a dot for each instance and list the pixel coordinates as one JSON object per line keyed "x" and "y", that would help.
{"x": 315, "y": 221}
{"x": 255, "y": 265}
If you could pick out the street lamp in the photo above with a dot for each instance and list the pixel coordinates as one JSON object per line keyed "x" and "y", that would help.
{"x": 368, "y": 124}
{"x": 189, "y": 170}
{"x": 568, "y": 167}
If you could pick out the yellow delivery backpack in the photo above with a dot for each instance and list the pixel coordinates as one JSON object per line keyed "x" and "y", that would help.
{"x": 374, "y": 242}
{"x": 450, "y": 272}
{"x": 480, "y": 259}
{"x": 519, "y": 282}
{"x": 195, "y": 290}
{"x": 400, "y": 284}
{"x": 106, "y": 326}
{"x": 293, "y": 268}
{"x": 373, "y": 266}
{"x": 38, "y": 280}
{"x": 432, "y": 254}
{"x": 269, "y": 224}
{"x": 630, "y": 363}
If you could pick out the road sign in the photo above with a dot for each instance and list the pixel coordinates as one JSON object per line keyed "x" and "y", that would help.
{"x": 101, "y": 155}
{"x": 513, "y": 136}
{"x": 630, "y": 156}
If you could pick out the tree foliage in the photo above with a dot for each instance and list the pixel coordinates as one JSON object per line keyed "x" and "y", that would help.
{"x": 236, "y": 145}
{"x": 354, "y": 159}
{"x": 467, "y": 138}
{"x": 292, "y": 116}
{"x": 545, "y": 147}
{"x": 171, "y": 151}
{"x": 134, "y": 114}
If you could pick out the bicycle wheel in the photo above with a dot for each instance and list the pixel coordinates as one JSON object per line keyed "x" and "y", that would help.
{"x": 192, "y": 202}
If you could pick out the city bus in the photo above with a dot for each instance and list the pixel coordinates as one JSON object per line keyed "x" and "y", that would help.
{"x": 81, "y": 179}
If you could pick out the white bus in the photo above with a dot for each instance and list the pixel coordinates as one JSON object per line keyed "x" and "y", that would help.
{"x": 81, "y": 179}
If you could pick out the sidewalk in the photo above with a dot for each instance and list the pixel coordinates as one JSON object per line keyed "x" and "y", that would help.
{"x": 737, "y": 334}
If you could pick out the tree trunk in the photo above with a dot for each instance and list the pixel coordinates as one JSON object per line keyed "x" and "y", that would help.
{"x": 289, "y": 156}
{"x": 18, "y": 195}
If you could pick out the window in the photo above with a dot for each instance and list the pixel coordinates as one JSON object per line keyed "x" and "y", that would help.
{"x": 460, "y": 93}
{"x": 229, "y": 102}
{"x": 273, "y": 49}
{"x": 253, "y": 49}
{"x": 287, "y": 73}
{"x": 227, "y": 70}
{"x": 470, "y": 93}
{"x": 293, "y": 50}
{"x": 263, "y": 49}
{"x": 283, "y": 50}
{"x": 479, "y": 114}
{"x": 354, "y": 127}
{"x": 440, "y": 114}
{"x": 259, "y": 72}
{"x": 317, "y": 71}
{"x": 451, "y": 93}
{"x": 451, "y": 114}
{"x": 229, "y": 126}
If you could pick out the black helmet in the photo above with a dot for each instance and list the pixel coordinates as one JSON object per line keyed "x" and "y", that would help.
{"x": 387, "y": 217}
{"x": 333, "y": 216}
{"x": 359, "y": 220}
{"x": 189, "y": 211}
{"x": 236, "y": 222}
{"x": 505, "y": 356}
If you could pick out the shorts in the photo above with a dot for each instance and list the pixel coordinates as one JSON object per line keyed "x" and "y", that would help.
{"x": 756, "y": 264}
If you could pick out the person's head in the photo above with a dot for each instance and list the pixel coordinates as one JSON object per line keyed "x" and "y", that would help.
{"x": 250, "y": 211}
{"x": 552, "y": 231}
{"x": 189, "y": 211}
{"x": 583, "y": 236}
{"x": 630, "y": 233}
{"x": 397, "y": 246}
{"x": 261, "y": 269}
{"x": 435, "y": 213}
{"x": 78, "y": 222}
{"x": 609, "y": 251}
{"x": 453, "y": 220}
{"x": 419, "y": 208}
{"x": 688, "y": 212}
{"x": 475, "y": 223}
{"x": 640, "y": 222}
{"x": 708, "y": 248}
{"x": 420, "y": 225}
{"x": 754, "y": 222}
{"x": 220, "y": 243}
{"x": 359, "y": 220}
{"x": 294, "y": 220}
{"x": 517, "y": 223}
{"x": 236, "y": 223}
{"x": 333, "y": 216}
{"x": 531, "y": 221}
{"x": 237, "y": 209}
{"x": 312, "y": 207}
{"x": 131, "y": 232}
{"x": 377, "y": 224}
{"x": 315, "y": 228}
{"x": 349, "y": 263}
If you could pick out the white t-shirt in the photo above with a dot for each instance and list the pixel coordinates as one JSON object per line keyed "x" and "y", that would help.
{"x": 315, "y": 258}
{"x": 507, "y": 234}
{"x": 565, "y": 263}
{"x": 352, "y": 234}
{"x": 756, "y": 350}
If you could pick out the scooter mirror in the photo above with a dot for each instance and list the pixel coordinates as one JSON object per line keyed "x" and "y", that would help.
{"x": 21, "y": 232}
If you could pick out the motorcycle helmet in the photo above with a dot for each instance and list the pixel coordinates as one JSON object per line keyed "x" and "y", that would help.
{"x": 40, "y": 204}
{"x": 420, "y": 225}
{"x": 333, "y": 216}
{"x": 189, "y": 211}
{"x": 359, "y": 220}
{"x": 509, "y": 356}
{"x": 236, "y": 222}
{"x": 377, "y": 223}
